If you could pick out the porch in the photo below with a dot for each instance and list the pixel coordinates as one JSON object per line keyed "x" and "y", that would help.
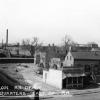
{"x": 73, "y": 77}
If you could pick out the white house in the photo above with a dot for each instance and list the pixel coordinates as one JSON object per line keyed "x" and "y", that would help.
{"x": 53, "y": 77}
{"x": 69, "y": 60}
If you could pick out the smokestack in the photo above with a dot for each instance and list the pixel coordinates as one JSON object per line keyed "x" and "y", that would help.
{"x": 2, "y": 43}
{"x": 6, "y": 37}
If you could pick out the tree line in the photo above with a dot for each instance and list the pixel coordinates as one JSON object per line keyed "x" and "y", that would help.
{"x": 35, "y": 44}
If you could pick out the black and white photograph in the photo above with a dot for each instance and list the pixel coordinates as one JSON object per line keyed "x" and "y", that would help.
{"x": 49, "y": 49}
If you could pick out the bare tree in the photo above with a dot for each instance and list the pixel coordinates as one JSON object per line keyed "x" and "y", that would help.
{"x": 31, "y": 45}
{"x": 67, "y": 42}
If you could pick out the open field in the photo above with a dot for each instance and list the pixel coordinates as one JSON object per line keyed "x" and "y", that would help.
{"x": 12, "y": 71}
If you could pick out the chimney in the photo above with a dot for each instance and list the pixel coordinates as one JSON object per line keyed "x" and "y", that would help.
{"x": 48, "y": 45}
{"x": 6, "y": 37}
{"x": 53, "y": 44}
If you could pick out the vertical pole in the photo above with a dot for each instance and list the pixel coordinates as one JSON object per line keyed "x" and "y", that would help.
{"x": 77, "y": 81}
{"x": 66, "y": 82}
{"x": 82, "y": 82}
{"x": 72, "y": 81}
{"x": 6, "y": 38}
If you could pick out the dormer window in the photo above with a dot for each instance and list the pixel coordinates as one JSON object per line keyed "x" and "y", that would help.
{"x": 67, "y": 57}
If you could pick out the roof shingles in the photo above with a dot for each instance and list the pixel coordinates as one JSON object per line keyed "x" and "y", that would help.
{"x": 86, "y": 55}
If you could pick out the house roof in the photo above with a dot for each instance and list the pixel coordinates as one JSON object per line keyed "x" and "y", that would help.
{"x": 72, "y": 75}
{"x": 86, "y": 55}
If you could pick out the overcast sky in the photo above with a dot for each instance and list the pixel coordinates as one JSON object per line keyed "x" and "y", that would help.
{"x": 50, "y": 20}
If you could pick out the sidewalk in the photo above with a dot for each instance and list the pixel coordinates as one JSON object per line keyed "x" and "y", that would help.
{"x": 86, "y": 91}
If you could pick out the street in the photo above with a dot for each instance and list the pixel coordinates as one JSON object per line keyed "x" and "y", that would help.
{"x": 92, "y": 96}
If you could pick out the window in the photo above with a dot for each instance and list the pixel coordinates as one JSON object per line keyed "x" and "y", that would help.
{"x": 69, "y": 80}
{"x": 70, "y": 57}
{"x": 67, "y": 57}
{"x": 61, "y": 64}
{"x": 96, "y": 69}
{"x": 37, "y": 59}
{"x": 74, "y": 80}
{"x": 80, "y": 79}
{"x": 55, "y": 66}
{"x": 57, "y": 51}
{"x": 87, "y": 68}
{"x": 45, "y": 75}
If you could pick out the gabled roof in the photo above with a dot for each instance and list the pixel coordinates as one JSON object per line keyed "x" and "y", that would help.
{"x": 86, "y": 55}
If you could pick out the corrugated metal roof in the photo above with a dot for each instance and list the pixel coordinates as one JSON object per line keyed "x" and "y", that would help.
{"x": 86, "y": 55}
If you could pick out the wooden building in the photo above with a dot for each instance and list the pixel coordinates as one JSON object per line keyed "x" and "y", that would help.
{"x": 79, "y": 69}
{"x": 82, "y": 67}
